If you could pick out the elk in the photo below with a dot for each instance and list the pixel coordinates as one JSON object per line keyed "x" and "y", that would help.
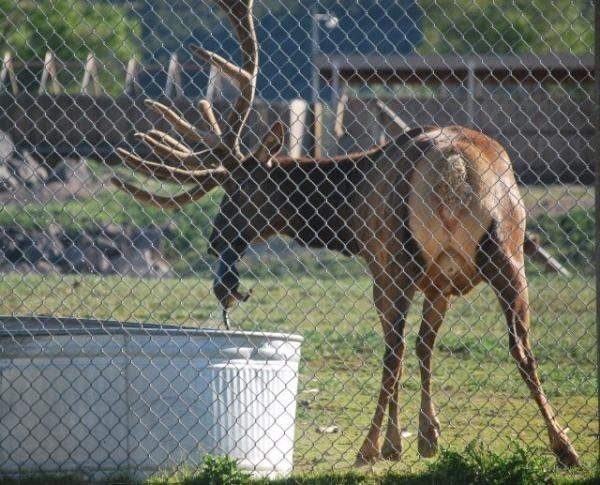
{"x": 436, "y": 210}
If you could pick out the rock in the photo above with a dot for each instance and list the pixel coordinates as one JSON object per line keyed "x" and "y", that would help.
{"x": 141, "y": 253}
{"x": 44, "y": 267}
{"x": 112, "y": 249}
{"x": 112, "y": 231}
{"x": 7, "y": 147}
{"x": 107, "y": 246}
{"x": 7, "y": 179}
{"x": 147, "y": 238}
{"x": 32, "y": 249}
{"x": 28, "y": 171}
{"x": 36, "y": 246}
{"x": 9, "y": 163}
{"x": 70, "y": 170}
{"x": 84, "y": 255}
{"x": 9, "y": 245}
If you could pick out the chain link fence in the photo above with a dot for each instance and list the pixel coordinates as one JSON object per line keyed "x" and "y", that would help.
{"x": 277, "y": 217}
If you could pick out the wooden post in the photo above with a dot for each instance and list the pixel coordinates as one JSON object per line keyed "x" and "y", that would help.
{"x": 340, "y": 110}
{"x": 131, "y": 84}
{"x": 387, "y": 130}
{"x": 213, "y": 85}
{"x": 174, "y": 78}
{"x": 49, "y": 73}
{"x": 393, "y": 115}
{"x": 9, "y": 71}
{"x": 297, "y": 123}
{"x": 538, "y": 253}
{"x": 318, "y": 129}
{"x": 90, "y": 85}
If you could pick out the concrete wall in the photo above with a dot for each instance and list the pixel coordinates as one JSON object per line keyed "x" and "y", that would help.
{"x": 548, "y": 137}
{"x": 55, "y": 127}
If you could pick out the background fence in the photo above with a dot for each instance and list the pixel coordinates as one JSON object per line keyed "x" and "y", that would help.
{"x": 82, "y": 393}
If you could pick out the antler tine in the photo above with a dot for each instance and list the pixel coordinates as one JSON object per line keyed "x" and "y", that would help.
{"x": 242, "y": 20}
{"x": 227, "y": 67}
{"x": 164, "y": 202}
{"x": 177, "y": 153}
{"x": 168, "y": 139}
{"x": 172, "y": 149}
{"x": 183, "y": 126}
{"x": 167, "y": 172}
{"x": 209, "y": 115}
{"x": 145, "y": 167}
{"x": 240, "y": 15}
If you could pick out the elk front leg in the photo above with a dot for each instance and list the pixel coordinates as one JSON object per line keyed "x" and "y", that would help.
{"x": 435, "y": 307}
{"x": 505, "y": 272}
{"x": 392, "y": 302}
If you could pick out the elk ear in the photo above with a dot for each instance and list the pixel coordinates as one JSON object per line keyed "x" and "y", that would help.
{"x": 271, "y": 144}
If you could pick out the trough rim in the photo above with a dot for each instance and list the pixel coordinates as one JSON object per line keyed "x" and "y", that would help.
{"x": 50, "y": 325}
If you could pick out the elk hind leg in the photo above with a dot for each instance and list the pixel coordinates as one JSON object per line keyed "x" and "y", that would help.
{"x": 435, "y": 307}
{"x": 392, "y": 305}
{"x": 392, "y": 442}
{"x": 505, "y": 272}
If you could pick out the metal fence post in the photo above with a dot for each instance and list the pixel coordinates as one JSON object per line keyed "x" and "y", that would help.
{"x": 597, "y": 191}
{"x": 113, "y": 352}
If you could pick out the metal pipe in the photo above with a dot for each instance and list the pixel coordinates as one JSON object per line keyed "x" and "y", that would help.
{"x": 314, "y": 50}
{"x": 596, "y": 150}
{"x": 471, "y": 91}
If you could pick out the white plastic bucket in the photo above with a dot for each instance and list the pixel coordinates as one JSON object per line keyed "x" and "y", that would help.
{"x": 101, "y": 399}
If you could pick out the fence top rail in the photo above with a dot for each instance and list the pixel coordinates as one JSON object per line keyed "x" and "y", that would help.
{"x": 361, "y": 69}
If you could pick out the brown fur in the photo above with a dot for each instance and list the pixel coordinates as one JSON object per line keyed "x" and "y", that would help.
{"x": 436, "y": 210}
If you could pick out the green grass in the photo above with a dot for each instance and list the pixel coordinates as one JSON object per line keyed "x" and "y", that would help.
{"x": 477, "y": 389}
{"x": 475, "y": 465}
{"x": 563, "y": 218}
{"x": 327, "y": 300}
{"x": 570, "y": 235}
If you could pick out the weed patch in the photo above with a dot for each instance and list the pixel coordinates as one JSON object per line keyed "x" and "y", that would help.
{"x": 478, "y": 465}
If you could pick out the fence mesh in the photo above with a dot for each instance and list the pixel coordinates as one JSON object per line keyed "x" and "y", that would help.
{"x": 252, "y": 197}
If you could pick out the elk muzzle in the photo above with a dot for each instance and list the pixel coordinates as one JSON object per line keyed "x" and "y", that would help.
{"x": 227, "y": 281}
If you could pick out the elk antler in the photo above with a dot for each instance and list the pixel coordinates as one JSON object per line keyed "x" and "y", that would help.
{"x": 174, "y": 202}
{"x": 209, "y": 167}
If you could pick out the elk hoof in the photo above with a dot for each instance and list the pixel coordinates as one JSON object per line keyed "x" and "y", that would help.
{"x": 367, "y": 456}
{"x": 566, "y": 456}
{"x": 427, "y": 447}
{"x": 428, "y": 439}
{"x": 392, "y": 444}
{"x": 391, "y": 452}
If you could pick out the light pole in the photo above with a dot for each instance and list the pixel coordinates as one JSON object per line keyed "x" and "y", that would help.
{"x": 330, "y": 22}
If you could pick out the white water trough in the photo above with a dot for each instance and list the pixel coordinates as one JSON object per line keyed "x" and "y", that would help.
{"x": 102, "y": 399}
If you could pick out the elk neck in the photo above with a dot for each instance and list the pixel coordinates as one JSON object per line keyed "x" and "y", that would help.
{"x": 319, "y": 199}
{"x": 323, "y": 202}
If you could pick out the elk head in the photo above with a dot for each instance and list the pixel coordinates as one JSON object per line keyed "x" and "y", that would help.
{"x": 220, "y": 163}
